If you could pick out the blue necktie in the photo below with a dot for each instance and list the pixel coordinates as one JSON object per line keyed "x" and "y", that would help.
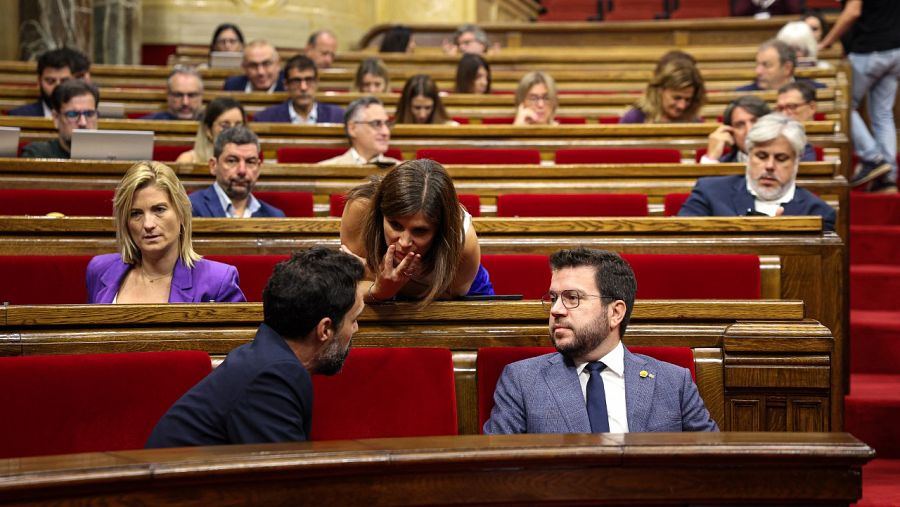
{"x": 596, "y": 399}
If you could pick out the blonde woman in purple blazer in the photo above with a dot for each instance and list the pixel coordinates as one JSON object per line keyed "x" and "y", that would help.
{"x": 156, "y": 262}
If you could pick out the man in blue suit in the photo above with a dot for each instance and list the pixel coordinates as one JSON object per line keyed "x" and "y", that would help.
{"x": 53, "y": 68}
{"x": 768, "y": 187}
{"x": 235, "y": 164}
{"x": 263, "y": 391}
{"x": 260, "y": 66}
{"x": 302, "y": 81}
{"x": 593, "y": 384}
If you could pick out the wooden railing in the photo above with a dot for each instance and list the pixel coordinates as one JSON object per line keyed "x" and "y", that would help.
{"x": 629, "y": 469}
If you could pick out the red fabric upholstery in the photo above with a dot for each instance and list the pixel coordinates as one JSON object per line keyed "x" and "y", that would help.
{"x": 491, "y": 360}
{"x": 297, "y": 155}
{"x": 481, "y": 155}
{"x": 471, "y": 202}
{"x": 572, "y": 205}
{"x": 673, "y": 202}
{"x": 157, "y": 54}
{"x": 498, "y": 120}
{"x": 617, "y": 156}
{"x": 609, "y": 120}
{"x": 571, "y": 120}
{"x": 43, "y": 279}
{"x": 90, "y": 402}
{"x": 302, "y": 155}
{"x": 462, "y": 120}
{"x": 336, "y": 204}
{"x": 686, "y": 276}
{"x": 387, "y": 392}
{"x": 168, "y": 153}
{"x": 528, "y": 275}
{"x": 30, "y": 201}
{"x": 134, "y": 115}
{"x": 253, "y": 271}
{"x": 820, "y": 153}
{"x": 294, "y": 204}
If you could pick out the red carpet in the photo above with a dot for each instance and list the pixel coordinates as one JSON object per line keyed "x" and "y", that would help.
{"x": 872, "y": 410}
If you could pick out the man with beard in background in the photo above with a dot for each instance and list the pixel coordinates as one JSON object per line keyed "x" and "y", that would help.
{"x": 768, "y": 187}
{"x": 235, "y": 164}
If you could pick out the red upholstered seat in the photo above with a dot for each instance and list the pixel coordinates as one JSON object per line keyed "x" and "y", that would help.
{"x": 687, "y": 276}
{"x": 253, "y": 271}
{"x": 43, "y": 279}
{"x": 90, "y": 402}
{"x": 491, "y": 360}
{"x": 387, "y": 392}
{"x": 528, "y": 275}
{"x": 572, "y": 205}
{"x": 672, "y": 203}
{"x": 609, "y": 120}
{"x": 304, "y": 155}
{"x": 571, "y": 120}
{"x": 498, "y": 120}
{"x": 481, "y": 155}
{"x": 294, "y": 204}
{"x": 617, "y": 156}
{"x": 32, "y": 201}
{"x": 471, "y": 202}
{"x": 298, "y": 155}
{"x": 820, "y": 153}
{"x": 168, "y": 152}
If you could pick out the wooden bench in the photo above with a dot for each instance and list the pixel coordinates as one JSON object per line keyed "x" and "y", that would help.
{"x": 409, "y": 138}
{"x": 629, "y": 469}
{"x": 812, "y": 263}
{"x": 760, "y": 365}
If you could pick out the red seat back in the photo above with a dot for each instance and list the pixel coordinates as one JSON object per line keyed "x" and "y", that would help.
{"x": 309, "y": 155}
{"x": 43, "y": 279}
{"x": 471, "y": 202}
{"x": 672, "y": 203}
{"x": 498, "y": 120}
{"x": 572, "y": 205}
{"x": 528, "y": 275}
{"x": 253, "y": 271}
{"x": 387, "y": 392}
{"x": 481, "y": 155}
{"x": 168, "y": 152}
{"x": 90, "y": 402}
{"x": 491, "y": 360}
{"x": 687, "y": 276}
{"x": 294, "y": 204}
{"x": 617, "y": 156}
{"x": 32, "y": 201}
{"x": 571, "y": 120}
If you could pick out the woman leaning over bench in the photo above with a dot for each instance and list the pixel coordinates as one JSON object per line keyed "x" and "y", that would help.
{"x": 415, "y": 238}
{"x": 156, "y": 262}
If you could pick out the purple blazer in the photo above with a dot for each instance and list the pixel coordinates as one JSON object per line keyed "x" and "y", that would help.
{"x": 207, "y": 281}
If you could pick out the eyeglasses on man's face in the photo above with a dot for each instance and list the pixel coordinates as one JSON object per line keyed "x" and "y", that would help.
{"x": 570, "y": 298}
{"x": 376, "y": 124}
{"x": 72, "y": 116}
{"x": 182, "y": 96}
{"x": 790, "y": 107}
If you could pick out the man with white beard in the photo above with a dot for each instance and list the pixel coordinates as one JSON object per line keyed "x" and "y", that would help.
{"x": 775, "y": 145}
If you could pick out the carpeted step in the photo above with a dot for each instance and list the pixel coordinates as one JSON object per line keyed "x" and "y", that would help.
{"x": 872, "y": 412}
{"x": 881, "y": 484}
{"x": 875, "y": 287}
{"x": 875, "y": 244}
{"x": 874, "y": 209}
{"x": 875, "y": 342}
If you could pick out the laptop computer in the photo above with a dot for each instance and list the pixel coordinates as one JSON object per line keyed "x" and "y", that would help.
{"x": 9, "y": 141}
{"x": 112, "y": 144}
{"x": 225, "y": 59}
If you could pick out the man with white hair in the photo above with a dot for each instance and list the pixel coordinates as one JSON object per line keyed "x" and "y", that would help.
{"x": 768, "y": 187}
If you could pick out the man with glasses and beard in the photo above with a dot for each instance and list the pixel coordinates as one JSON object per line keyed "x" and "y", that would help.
{"x": 75, "y": 105}
{"x": 55, "y": 67}
{"x": 235, "y": 164}
{"x": 263, "y": 392}
{"x": 593, "y": 384}
{"x": 775, "y": 145}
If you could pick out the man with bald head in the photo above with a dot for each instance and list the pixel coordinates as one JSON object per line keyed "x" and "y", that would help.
{"x": 261, "y": 66}
{"x": 321, "y": 48}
